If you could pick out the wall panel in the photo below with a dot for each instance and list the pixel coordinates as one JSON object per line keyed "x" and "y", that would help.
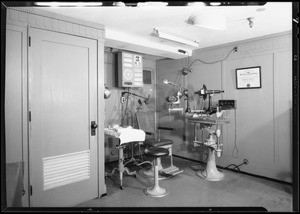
{"x": 13, "y": 98}
{"x": 283, "y": 113}
{"x": 254, "y": 113}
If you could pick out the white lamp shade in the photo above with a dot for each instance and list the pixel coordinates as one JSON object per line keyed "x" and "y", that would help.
{"x": 107, "y": 92}
{"x": 209, "y": 20}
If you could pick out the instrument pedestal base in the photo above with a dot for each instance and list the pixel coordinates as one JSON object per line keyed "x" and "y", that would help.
{"x": 211, "y": 173}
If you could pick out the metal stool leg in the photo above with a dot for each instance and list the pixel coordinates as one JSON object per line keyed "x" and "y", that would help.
{"x": 121, "y": 168}
{"x": 150, "y": 172}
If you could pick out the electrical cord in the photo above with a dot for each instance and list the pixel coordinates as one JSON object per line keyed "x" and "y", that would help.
{"x": 178, "y": 78}
{"x": 192, "y": 93}
{"x": 245, "y": 162}
{"x": 233, "y": 49}
{"x": 126, "y": 107}
{"x": 203, "y": 163}
{"x": 205, "y": 176}
{"x": 109, "y": 118}
{"x": 235, "y": 142}
{"x": 235, "y": 166}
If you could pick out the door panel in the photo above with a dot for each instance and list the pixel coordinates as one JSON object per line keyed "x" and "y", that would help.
{"x": 63, "y": 102}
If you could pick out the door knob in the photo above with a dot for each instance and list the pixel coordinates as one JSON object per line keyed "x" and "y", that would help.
{"x": 93, "y": 128}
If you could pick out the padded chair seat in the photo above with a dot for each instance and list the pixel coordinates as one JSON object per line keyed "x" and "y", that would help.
{"x": 155, "y": 143}
{"x": 156, "y": 152}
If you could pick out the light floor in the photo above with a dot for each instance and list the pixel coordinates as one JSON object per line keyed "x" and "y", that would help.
{"x": 189, "y": 190}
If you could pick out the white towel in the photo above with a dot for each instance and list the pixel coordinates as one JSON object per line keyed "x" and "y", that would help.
{"x": 126, "y": 135}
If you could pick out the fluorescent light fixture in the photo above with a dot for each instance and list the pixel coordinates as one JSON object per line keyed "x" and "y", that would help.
{"x": 153, "y": 3}
{"x": 175, "y": 39}
{"x": 119, "y": 4}
{"x": 215, "y": 3}
{"x": 68, "y": 4}
{"x": 121, "y": 40}
{"x": 196, "y": 4}
{"x": 212, "y": 21}
{"x": 261, "y": 9}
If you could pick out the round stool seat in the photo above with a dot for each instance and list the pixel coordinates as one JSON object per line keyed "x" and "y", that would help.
{"x": 155, "y": 152}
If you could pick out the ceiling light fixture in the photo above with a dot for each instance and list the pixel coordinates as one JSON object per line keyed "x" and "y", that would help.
{"x": 68, "y": 4}
{"x": 153, "y": 3}
{"x": 119, "y": 40}
{"x": 261, "y": 9}
{"x": 215, "y": 3}
{"x": 250, "y": 19}
{"x": 119, "y": 4}
{"x": 175, "y": 39}
{"x": 209, "y": 20}
{"x": 196, "y": 4}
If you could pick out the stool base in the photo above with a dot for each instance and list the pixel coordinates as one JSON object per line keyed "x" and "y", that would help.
{"x": 156, "y": 192}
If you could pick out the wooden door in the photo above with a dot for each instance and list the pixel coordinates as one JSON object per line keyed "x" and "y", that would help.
{"x": 62, "y": 104}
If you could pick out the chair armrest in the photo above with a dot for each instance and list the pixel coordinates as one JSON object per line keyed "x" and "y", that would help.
{"x": 166, "y": 128}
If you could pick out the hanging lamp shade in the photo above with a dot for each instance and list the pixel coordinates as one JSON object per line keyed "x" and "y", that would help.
{"x": 209, "y": 20}
{"x": 107, "y": 92}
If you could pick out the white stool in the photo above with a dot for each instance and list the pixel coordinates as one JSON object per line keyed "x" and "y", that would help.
{"x": 156, "y": 153}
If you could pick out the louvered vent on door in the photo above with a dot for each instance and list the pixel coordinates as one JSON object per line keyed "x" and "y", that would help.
{"x": 66, "y": 169}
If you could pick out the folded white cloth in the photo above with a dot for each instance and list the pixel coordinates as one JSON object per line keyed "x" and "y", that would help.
{"x": 126, "y": 135}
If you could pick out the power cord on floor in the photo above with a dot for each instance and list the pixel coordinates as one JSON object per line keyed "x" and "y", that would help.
{"x": 245, "y": 162}
{"x": 205, "y": 176}
{"x": 195, "y": 168}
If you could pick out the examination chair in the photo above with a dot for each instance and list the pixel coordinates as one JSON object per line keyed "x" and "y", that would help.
{"x": 146, "y": 122}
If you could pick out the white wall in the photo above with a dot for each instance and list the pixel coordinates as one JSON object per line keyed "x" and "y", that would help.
{"x": 263, "y": 122}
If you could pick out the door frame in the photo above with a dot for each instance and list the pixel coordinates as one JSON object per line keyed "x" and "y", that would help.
{"x": 24, "y": 104}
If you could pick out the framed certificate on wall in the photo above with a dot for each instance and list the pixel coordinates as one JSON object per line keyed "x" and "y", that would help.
{"x": 248, "y": 78}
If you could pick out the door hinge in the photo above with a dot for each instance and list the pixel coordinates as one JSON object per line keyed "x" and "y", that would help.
{"x": 29, "y": 116}
{"x": 30, "y": 190}
{"x": 29, "y": 41}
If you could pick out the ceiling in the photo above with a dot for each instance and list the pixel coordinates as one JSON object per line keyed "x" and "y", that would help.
{"x": 131, "y": 28}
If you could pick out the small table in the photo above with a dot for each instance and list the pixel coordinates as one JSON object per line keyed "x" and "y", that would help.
{"x": 211, "y": 172}
{"x": 125, "y": 135}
